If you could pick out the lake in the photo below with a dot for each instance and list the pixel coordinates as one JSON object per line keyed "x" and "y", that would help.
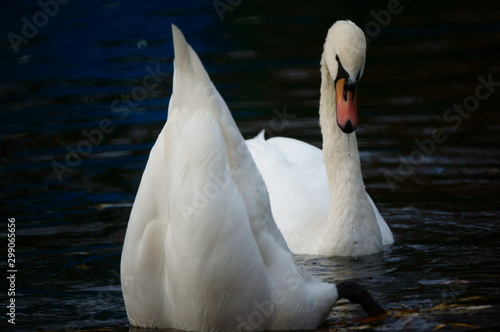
{"x": 78, "y": 122}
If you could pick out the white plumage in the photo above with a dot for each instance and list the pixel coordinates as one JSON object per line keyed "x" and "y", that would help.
{"x": 202, "y": 251}
{"x": 318, "y": 197}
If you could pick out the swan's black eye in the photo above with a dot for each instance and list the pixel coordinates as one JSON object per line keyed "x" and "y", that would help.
{"x": 349, "y": 87}
{"x": 341, "y": 72}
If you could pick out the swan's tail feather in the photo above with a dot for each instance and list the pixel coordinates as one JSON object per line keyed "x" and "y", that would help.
{"x": 187, "y": 63}
{"x": 193, "y": 90}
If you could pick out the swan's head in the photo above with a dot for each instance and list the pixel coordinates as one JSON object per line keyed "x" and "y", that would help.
{"x": 345, "y": 54}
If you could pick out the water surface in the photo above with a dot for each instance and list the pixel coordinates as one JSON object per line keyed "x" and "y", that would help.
{"x": 443, "y": 270}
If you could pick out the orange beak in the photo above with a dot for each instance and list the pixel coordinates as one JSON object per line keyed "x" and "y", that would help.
{"x": 347, "y": 108}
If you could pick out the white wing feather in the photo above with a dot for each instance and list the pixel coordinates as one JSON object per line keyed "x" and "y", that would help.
{"x": 202, "y": 251}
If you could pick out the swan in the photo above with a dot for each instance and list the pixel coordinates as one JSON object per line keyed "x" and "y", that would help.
{"x": 202, "y": 251}
{"x": 318, "y": 198}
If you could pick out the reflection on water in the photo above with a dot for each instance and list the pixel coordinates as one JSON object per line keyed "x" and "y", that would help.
{"x": 263, "y": 57}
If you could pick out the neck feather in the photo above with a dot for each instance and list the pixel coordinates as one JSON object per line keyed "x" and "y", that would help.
{"x": 350, "y": 210}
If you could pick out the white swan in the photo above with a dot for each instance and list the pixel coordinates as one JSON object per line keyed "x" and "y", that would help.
{"x": 318, "y": 199}
{"x": 202, "y": 251}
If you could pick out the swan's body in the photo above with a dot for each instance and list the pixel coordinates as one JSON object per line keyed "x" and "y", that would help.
{"x": 318, "y": 198}
{"x": 202, "y": 251}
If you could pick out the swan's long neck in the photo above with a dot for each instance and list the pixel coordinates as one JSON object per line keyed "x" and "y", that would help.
{"x": 350, "y": 211}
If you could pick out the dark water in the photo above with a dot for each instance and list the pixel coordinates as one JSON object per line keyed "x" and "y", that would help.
{"x": 78, "y": 70}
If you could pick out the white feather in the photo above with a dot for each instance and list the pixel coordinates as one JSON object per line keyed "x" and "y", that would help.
{"x": 318, "y": 198}
{"x": 202, "y": 251}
